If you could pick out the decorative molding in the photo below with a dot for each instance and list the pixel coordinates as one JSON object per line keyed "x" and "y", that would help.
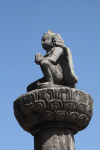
{"x": 62, "y": 104}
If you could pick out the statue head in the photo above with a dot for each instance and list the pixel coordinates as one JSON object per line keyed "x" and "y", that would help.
{"x": 50, "y": 39}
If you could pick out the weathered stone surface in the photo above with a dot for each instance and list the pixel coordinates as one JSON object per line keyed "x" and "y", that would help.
{"x": 50, "y": 107}
{"x": 54, "y": 139}
{"x": 53, "y": 110}
{"x": 56, "y": 65}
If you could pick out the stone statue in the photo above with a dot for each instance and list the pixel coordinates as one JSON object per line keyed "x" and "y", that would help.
{"x": 53, "y": 110}
{"x": 56, "y": 65}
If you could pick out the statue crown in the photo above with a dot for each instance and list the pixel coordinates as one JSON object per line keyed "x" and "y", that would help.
{"x": 49, "y": 32}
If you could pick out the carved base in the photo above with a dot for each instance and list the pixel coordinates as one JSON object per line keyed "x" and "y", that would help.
{"x": 41, "y": 83}
{"x": 45, "y": 125}
{"x": 54, "y": 139}
{"x": 54, "y": 107}
{"x": 47, "y": 85}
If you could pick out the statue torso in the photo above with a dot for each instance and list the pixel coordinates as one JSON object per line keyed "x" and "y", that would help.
{"x": 59, "y": 62}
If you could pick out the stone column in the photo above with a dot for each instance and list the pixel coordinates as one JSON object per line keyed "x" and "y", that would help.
{"x": 54, "y": 139}
{"x": 54, "y": 115}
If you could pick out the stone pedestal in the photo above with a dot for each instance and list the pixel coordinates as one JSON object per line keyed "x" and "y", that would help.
{"x": 54, "y": 115}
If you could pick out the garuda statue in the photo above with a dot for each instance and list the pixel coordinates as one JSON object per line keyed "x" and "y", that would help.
{"x": 53, "y": 110}
{"x": 56, "y": 65}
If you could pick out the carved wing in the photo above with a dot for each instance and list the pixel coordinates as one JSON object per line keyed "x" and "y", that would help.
{"x": 68, "y": 67}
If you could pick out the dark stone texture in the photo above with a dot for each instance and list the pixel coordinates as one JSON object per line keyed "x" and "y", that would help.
{"x": 54, "y": 139}
{"x": 50, "y": 107}
{"x": 56, "y": 65}
{"x": 53, "y": 110}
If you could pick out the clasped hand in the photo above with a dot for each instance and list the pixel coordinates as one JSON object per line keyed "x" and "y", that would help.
{"x": 38, "y": 58}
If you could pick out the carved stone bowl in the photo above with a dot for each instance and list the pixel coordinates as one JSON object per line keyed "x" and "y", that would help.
{"x": 54, "y": 107}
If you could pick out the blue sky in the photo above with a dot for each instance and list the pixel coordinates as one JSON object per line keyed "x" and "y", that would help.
{"x": 22, "y": 24}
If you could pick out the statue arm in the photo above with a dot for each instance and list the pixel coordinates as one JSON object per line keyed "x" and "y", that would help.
{"x": 57, "y": 53}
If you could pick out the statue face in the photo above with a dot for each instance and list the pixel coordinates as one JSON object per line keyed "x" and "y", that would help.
{"x": 46, "y": 42}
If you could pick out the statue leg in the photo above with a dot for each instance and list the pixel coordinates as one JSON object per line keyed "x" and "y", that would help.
{"x": 51, "y": 72}
{"x": 34, "y": 84}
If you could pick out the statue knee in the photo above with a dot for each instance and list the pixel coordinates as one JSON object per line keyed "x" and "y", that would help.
{"x": 44, "y": 62}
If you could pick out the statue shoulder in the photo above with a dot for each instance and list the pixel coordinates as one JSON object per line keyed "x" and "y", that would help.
{"x": 58, "y": 51}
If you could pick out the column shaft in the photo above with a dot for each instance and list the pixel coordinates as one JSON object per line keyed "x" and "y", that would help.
{"x": 54, "y": 139}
